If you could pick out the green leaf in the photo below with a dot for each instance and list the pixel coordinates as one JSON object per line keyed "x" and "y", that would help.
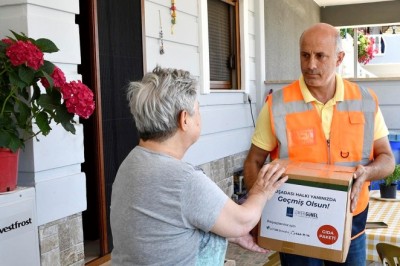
{"x": 394, "y": 176}
{"x": 42, "y": 120}
{"x": 68, "y": 126}
{"x": 48, "y": 67}
{"x": 9, "y": 108}
{"x": 56, "y": 95}
{"x": 4, "y": 138}
{"x": 16, "y": 81}
{"x": 62, "y": 115}
{"x": 15, "y": 143}
{"x": 26, "y": 74}
{"x": 49, "y": 79}
{"x": 50, "y": 101}
{"x": 65, "y": 118}
{"x": 46, "y": 45}
{"x": 36, "y": 92}
{"x": 23, "y": 113}
{"x": 10, "y": 140}
{"x": 25, "y": 93}
{"x": 20, "y": 37}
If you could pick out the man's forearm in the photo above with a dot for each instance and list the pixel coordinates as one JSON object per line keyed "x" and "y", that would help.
{"x": 381, "y": 167}
{"x": 250, "y": 174}
{"x": 384, "y": 162}
{"x": 252, "y": 165}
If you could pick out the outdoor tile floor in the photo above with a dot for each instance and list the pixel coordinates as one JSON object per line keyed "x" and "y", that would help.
{"x": 247, "y": 258}
{"x": 244, "y": 257}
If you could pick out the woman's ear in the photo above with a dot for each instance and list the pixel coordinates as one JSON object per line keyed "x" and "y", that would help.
{"x": 182, "y": 120}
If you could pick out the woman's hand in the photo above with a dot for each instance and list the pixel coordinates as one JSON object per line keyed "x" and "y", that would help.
{"x": 237, "y": 220}
{"x": 248, "y": 242}
{"x": 269, "y": 179}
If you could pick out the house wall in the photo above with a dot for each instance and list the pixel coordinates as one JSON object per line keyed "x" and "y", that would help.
{"x": 392, "y": 54}
{"x": 284, "y": 23}
{"x": 53, "y": 164}
{"x": 226, "y": 115}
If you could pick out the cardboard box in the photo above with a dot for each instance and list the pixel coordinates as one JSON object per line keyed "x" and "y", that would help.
{"x": 310, "y": 214}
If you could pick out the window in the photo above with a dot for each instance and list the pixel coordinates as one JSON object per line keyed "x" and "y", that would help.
{"x": 376, "y": 54}
{"x": 224, "y": 39}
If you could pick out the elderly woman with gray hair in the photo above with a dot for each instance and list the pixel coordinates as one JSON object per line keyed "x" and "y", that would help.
{"x": 165, "y": 211}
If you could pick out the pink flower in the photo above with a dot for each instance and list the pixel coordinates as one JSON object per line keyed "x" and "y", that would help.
{"x": 366, "y": 49}
{"x": 22, "y": 66}
{"x": 78, "y": 98}
{"x": 25, "y": 52}
{"x": 58, "y": 79}
{"x": 7, "y": 41}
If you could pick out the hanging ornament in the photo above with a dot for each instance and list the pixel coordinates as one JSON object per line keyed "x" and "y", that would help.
{"x": 173, "y": 15}
{"x": 161, "y": 35}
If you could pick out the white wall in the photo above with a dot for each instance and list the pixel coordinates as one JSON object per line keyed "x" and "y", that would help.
{"x": 388, "y": 92}
{"x": 226, "y": 116}
{"x": 284, "y": 23}
{"x": 52, "y": 165}
{"x": 392, "y": 53}
{"x": 181, "y": 47}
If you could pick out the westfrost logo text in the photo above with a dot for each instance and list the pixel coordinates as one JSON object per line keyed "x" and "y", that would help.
{"x": 15, "y": 225}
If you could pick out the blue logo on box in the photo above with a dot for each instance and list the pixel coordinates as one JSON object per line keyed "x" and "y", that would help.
{"x": 289, "y": 212}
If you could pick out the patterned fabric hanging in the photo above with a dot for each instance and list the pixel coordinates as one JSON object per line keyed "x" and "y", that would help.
{"x": 161, "y": 35}
{"x": 173, "y": 15}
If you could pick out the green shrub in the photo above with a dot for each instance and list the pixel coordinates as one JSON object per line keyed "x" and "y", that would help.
{"x": 392, "y": 178}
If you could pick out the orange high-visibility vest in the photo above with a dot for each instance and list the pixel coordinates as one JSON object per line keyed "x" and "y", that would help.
{"x": 298, "y": 129}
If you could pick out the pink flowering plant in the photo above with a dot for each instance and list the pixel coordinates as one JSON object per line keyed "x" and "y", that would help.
{"x": 34, "y": 91}
{"x": 366, "y": 50}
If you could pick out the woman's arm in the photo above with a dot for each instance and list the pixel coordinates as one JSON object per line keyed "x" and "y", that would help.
{"x": 237, "y": 220}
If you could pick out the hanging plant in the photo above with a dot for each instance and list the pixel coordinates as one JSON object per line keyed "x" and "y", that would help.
{"x": 366, "y": 49}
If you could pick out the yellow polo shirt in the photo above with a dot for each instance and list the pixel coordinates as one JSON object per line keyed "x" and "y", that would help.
{"x": 264, "y": 139}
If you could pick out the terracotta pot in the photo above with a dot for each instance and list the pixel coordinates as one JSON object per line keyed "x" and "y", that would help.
{"x": 388, "y": 192}
{"x": 8, "y": 170}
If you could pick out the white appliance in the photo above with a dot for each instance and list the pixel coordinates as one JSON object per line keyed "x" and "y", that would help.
{"x": 19, "y": 241}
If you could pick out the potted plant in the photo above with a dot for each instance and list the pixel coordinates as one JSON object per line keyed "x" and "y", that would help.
{"x": 34, "y": 95}
{"x": 388, "y": 187}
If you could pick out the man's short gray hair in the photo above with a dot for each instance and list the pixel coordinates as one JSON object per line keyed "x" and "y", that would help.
{"x": 157, "y": 100}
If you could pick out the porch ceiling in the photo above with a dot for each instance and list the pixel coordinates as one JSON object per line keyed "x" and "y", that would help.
{"x": 345, "y": 2}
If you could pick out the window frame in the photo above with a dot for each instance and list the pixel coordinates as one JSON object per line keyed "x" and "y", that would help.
{"x": 234, "y": 82}
{"x": 242, "y": 46}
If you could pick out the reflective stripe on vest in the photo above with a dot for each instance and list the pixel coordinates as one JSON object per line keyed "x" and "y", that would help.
{"x": 366, "y": 105}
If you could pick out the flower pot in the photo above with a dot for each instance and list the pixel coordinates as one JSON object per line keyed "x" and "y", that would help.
{"x": 8, "y": 170}
{"x": 388, "y": 192}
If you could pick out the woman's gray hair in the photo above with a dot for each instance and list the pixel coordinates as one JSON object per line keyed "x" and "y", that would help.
{"x": 157, "y": 100}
